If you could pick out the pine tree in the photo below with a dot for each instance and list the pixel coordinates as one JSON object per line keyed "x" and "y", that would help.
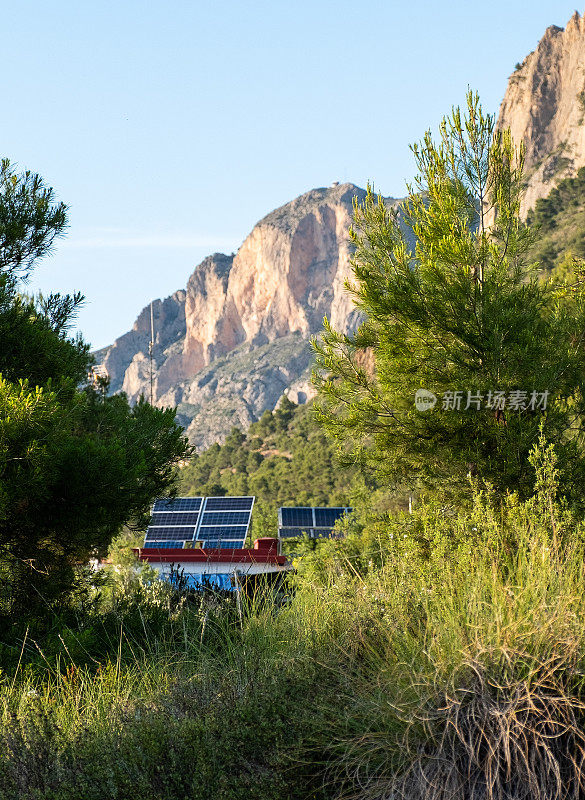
{"x": 75, "y": 465}
{"x": 452, "y": 306}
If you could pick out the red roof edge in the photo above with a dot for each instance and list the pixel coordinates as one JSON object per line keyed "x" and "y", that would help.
{"x": 217, "y": 555}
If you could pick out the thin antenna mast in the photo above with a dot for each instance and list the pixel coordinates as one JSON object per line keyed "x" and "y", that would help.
{"x": 150, "y": 348}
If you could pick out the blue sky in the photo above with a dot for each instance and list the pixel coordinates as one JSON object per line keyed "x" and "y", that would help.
{"x": 170, "y": 129}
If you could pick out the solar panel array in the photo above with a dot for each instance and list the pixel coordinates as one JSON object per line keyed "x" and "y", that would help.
{"x": 206, "y": 522}
{"x": 316, "y": 522}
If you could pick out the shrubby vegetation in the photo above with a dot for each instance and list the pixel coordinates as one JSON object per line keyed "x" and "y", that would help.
{"x": 422, "y": 654}
{"x": 283, "y": 459}
{"x": 560, "y": 223}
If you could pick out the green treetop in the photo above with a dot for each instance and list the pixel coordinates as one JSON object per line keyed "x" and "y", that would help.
{"x": 75, "y": 465}
{"x": 460, "y": 311}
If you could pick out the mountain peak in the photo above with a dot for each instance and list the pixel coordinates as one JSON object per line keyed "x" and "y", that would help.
{"x": 544, "y": 106}
{"x": 287, "y": 216}
{"x": 228, "y": 347}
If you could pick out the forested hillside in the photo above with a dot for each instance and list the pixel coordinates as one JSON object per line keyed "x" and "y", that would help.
{"x": 560, "y": 218}
{"x": 283, "y": 459}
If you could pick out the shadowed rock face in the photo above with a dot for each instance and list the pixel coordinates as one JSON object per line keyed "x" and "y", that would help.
{"x": 236, "y": 340}
{"x": 127, "y": 359}
{"x": 544, "y": 106}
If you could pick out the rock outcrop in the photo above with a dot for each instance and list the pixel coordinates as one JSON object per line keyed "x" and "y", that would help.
{"x": 237, "y": 339}
{"x": 544, "y": 106}
{"x": 127, "y": 359}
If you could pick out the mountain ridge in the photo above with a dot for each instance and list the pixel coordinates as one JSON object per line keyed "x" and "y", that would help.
{"x": 544, "y": 106}
{"x": 236, "y": 339}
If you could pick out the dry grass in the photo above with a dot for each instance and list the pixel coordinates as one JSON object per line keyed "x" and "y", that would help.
{"x": 494, "y": 739}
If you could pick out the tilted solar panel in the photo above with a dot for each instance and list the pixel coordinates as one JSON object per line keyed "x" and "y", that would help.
{"x": 229, "y": 503}
{"x": 183, "y": 532}
{"x": 292, "y": 533}
{"x": 297, "y": 517}
{"x": 224, "y": 544}
{"x": 225, "y": 517}
{"x": 164, "y": 545}
{"x": 327, "y": 517}
{"x": 178, "y": 504}
{"x": 177, "y": 518}
{"x": 321, "y": 533}
{"x": 209, "y": 520}
{"x": 223, "y": 531}
{"x": 316, "y": 522}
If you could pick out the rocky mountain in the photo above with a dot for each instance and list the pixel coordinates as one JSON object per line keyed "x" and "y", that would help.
{"x": 229, "y": 346}
{"x": 232, "y": 343}
{"x": 544, "y": 106}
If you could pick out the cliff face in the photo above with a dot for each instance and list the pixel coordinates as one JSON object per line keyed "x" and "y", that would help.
{"x": 544, "y": 106}
{"x": 127, "y": 359}
{"x": 228, "y": 347}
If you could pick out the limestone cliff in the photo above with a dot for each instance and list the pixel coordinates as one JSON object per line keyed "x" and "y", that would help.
{"x": 236, "y": 340}
{"x": 544, "y": 106}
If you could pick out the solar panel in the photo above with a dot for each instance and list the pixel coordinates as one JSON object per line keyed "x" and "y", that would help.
{"x": 178, "y": 518}
{"x": 183, "y": 532}
{"x": 224, "y": 544}
{"x": 229, "y": 503}
{"x": 223, "y": 531}
{"x": 327, "y": 517}
{"x": 316, "y": 522}
{"x": 165, "y": 545}
{"x": 225, "y": 518}
{"x": 212, "y": 521}
{"x": 297, "y": 517}
{"x": 292, "y": 533}
{"x": 321, "y": 533}
{"x": 178, "y": 504}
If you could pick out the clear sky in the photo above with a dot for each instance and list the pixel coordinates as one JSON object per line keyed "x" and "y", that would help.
{"x": 171, "y": 128}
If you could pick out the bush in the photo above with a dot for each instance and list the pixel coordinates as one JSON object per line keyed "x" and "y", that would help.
{"x": 470, "y": 678}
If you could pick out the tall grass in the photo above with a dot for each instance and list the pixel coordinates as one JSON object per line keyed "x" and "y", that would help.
{"x": 471, "y": 677}
{"x": 439, "y": 655}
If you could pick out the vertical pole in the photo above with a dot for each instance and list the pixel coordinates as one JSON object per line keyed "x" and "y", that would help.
{"x": 238, "y": 595}
{"x": 150, "y": 349}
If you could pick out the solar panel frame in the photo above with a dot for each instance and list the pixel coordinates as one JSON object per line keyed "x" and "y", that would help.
{"x": 165, "y": 518}
{"x": 229, "y": 503}
{"x": 316, "y": 521}
{"x": 210, "y": 521}
{"x": 177, "y": 504}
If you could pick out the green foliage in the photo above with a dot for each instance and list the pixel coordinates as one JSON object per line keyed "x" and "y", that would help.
{"x": 473, "y": 643}
{"x": 283, "y": 459}
{"x": 195, "y": 702}
{"x": 30, "y": 219}
{"x": 36, "y": 347}
{"x": 424, "y": 652}
{"x": 559, "y": 219}
{"x": 74, "y": 465}
{"x": 464, "y": 311}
